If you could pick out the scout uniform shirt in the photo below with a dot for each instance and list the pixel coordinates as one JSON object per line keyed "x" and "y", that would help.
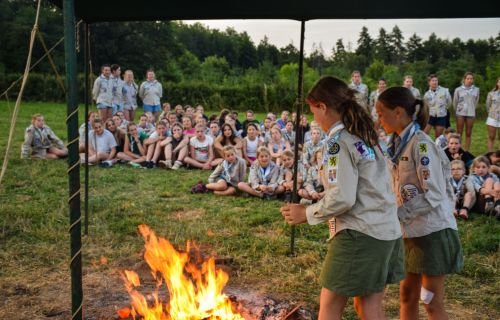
{"x": 421, "y": 180}
{"x": 117, "y": 90}
{"x": 267, "y": 176}
{"x": 102, "y": 92}
{"x": 150, "y": 92}
{"x": 232, "y": 173}
{"x": 36, "y": 140}
{"x": 438, "y": 101}
{"x": 415, "y": 92}
{"x": 465, "y": 100}
{"x": 358, "y": 192}
{"x": 493, "y": 105}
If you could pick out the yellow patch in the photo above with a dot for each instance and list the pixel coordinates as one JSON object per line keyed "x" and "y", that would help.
{"x": 333, "y": 161}
{"x": 422, "y": 148}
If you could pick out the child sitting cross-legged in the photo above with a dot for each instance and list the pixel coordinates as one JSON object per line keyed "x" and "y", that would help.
{"x": 314, "y": 188}
{"x": 487, "y": 187}
{"x": 465, "y": 196}
{"x": 263, "y": 177}
{"x": 226, "y": 176}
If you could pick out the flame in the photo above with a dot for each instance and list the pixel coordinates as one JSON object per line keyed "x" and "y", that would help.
{"x": 195, "y": 293}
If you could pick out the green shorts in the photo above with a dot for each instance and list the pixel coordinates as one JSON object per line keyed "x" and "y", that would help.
{"x": 435, "y": 254}
{"x": 358, "y": 265}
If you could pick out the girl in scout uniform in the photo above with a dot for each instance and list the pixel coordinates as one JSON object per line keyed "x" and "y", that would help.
{"x": 365, "y": 248}
{"x": 226, "y": 176}
{"x": 493, "y": 108}
{"x": 263, "y": 177}
{"x": 41, "y": 142}
{"x": 465, "y": 101}
{"x": 313, "y": 185}
{"x": 421, "y": 181}
{"x": 437, "y": 99}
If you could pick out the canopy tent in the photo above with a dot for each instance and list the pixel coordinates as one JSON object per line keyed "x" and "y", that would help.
{"x": 126, "y": 10}
{"x": 91, "y": 11}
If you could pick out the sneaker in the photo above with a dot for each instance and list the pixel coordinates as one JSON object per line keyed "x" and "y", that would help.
{"x": 167, "y": 164}
{"x": 199, "y": 188}
{"x": 150, "y": 165}
{"x": 144, "y": 164}
{"x": 489, "y": 207}
{"x": 177, "y": 165}
{"x": 134, "y": 164}
{"x": 287, "y": 197}
{"x": 106, "y": 164}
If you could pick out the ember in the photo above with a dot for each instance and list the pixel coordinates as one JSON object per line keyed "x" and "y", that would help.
{"x": 195, "y": 292}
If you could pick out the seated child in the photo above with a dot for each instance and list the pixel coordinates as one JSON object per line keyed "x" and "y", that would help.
{"x": 286, "y": 175}
{"x": 311, "y": 147}
{"x": 313, "y": 186}
{"x": 250, "y": 143}
{"x": 263, "y": 177}
{"x": 176, "y": 148}
{"x": 102, "y": 145}
{"x": 277, "y": 145}
{"x": 465, "y": 196}
{"x": 226, "y": 176}
{"x": 133, "y": 149}
{"x": 153, "y": 145}
{"x": 201, "y": 153}
{"x": 486, "y": 186}
{"x": 41, "y": 142}
{"x": 442, "y": 140}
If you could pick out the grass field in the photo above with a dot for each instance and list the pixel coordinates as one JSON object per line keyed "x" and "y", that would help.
{"x": 34, "y": 239}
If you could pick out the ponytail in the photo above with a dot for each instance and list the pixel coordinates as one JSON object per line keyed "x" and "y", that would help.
{"x": 402, "y": 97}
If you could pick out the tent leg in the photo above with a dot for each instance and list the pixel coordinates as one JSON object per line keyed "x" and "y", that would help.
{"x": 73, "y": 161}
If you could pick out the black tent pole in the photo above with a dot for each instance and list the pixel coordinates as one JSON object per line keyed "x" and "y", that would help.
{"x": 300, "y": 105}
{"x": 73, "y": 160}
{"x": 86, "y": 58}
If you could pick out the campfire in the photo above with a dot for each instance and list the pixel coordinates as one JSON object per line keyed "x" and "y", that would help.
{"x": 195, "y": 292}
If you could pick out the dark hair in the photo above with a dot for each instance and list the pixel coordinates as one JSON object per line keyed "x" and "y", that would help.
{"x": 231, "y": 139}
{"x": 114, "y": 67}
{"x": 468, "y": 73}
{"x": 104, "y": 66}
{"x": 430, "y": 76}
{"x": 252, "y": 124}
{"x": 336, "y": 95}
{"x": 402, "y": 97}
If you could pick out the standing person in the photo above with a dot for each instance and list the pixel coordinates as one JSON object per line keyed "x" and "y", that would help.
{"x": 360, "y": 88}
{"x": 116, "y": 80}
{"x": 493, "y": 121}
{"x": 408, "y": 84}
{"x": 130, "y": 90}
{"x": 102, "y": 93}
{"x": 421, "y": 181}
{"x": 365, "y": 247}
{"x": 381, "y": 85}
{"x": 41, "y": 142}
{"x": 438, "y": 99}
{"x": 465, "y": 101}
{"x": 151, "y": 92}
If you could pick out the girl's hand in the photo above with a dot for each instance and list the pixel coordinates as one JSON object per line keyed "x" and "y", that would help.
{"x": 294, "y": 213}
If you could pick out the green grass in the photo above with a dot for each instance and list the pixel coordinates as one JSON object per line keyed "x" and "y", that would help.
{"x": 35, "y": 241}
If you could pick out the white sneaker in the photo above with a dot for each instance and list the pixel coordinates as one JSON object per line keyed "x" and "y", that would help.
{"x": 167, "y": 164}
{"x": 177, "y": 165}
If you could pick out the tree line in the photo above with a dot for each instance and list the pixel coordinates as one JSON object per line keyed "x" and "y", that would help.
{"x": 226, "y": 68}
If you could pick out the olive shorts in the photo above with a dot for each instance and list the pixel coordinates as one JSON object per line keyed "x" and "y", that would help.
{"x": 358, "y": 265}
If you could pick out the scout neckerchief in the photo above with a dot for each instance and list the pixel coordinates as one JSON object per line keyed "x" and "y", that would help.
{"x": 457, "y": 185}
{"x": 42, "y": 136}
{"x": 397, "y": 143}
{"x": 265, "y": 172}
{"x": 227, "y": 166}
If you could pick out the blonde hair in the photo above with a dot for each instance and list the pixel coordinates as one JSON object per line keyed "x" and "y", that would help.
{"x": 36, "y": 116}
{"x": 480, "y": 159}
{"x": 228, "y": 149}
{"x": 263, "y": 150}
{"x": 288, "y": 153}
{"x": 458, "y": 162}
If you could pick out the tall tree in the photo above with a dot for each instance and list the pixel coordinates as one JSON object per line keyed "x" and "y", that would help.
{"x": 365, "y": 44}
{"x": 383, "y": 48}
{"x": 414, "y": 49}
{"x": 396, "y": 40}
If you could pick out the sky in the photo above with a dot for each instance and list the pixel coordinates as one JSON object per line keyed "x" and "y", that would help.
{"x": 327, "y": 32}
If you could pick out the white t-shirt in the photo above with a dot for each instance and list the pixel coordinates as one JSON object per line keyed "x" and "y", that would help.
{"x": 201, "y": 148}
{"x": 104, "y": 142}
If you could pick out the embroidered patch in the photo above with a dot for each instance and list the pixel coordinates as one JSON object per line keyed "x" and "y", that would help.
{"x": 333, "y": 162}
{"x": 403, "y": 158}
{"x": 332, "y": 175}
{"x": 408, "y": 192}
{"x": 365, "y": 152}
{"x": 334, "y": 148}
{"x": 425, "y": 161}
{"x": 426, "y": 174}
{"x": 422, "y": 148}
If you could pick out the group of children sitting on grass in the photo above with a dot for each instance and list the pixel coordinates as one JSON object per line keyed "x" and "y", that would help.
{"x": 182, "y": 138}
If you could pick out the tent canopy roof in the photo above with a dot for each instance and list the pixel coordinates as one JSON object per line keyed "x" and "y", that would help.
{"x": 127, "y": 10}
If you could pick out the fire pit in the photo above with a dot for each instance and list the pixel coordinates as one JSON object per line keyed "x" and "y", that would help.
{"x": 194, "y": 289}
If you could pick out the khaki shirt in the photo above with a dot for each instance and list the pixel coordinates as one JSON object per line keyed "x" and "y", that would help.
{"x": 358, "y": 191}
{"x": 493, "y": 104}
{"x": 39, "y": 138}
{"x": 438, "y": 101}
{"x": 361, "y": 95}
{"x": 256, "y": 177}
{"x": 234, "y": 174}
{"x": 421, "y": 181}
{"x": 465, "y": 101}
{"x": 102, "y": 91}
